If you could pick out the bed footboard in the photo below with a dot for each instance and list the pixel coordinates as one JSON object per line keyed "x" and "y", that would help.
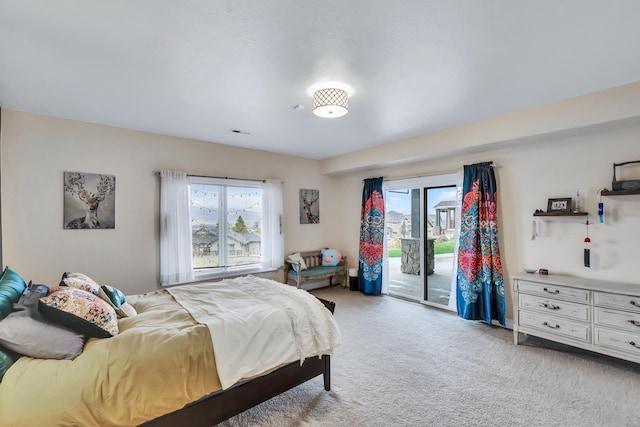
{"x": 222, "y": 405}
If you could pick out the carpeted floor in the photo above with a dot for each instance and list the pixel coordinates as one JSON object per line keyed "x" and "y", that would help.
{"x": 404, "y": 364}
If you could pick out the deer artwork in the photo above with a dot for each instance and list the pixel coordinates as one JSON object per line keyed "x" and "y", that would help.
{"x": 310, "y": 208}
{"x": 74, "y": 184}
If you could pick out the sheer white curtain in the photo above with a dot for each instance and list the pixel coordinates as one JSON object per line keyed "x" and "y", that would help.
{"x": 175, "y": 235}
{"x": 272, "y": 234}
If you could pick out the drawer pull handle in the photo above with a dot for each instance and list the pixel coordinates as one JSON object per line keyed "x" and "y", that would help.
{"x": 556, "y": 291}
{"x": 558, "y": 327}
{"x": 632, "y": 302}
{"x": 634, "y": 344}
{"x": 634, "y": 322}
{"x": 550, "y": 306}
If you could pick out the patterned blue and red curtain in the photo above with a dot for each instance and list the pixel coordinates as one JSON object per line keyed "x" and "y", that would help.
{"x": 371, "y": 237}
{"x": 480, "y": 287}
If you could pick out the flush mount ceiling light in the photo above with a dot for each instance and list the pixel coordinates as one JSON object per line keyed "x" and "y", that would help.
{"x": 330, "y": 102}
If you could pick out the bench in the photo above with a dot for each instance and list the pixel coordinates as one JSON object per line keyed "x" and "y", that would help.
{"x": 315, "y": 270}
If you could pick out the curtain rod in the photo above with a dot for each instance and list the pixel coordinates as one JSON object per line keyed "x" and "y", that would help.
{"x": 222, "y": 177}
{"x": 493, "y": 165}
{"x": 415, "y": 176}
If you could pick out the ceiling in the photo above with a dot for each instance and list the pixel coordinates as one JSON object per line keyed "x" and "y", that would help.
{"x": 201, "y": 69}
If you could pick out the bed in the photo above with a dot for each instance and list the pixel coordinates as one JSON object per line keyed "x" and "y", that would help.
{"x": 162, "y": 368}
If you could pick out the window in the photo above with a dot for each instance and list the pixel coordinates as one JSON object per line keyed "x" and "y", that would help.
{"x": 216, "y": 227}
{"x": 227, "y": 214}
{"x": 227, "y": 220}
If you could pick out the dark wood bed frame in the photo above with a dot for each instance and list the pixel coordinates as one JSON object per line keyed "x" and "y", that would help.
{"x": 224, "y": 404}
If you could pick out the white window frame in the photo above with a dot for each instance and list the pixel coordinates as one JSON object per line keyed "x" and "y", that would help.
{"x": 266, "y": 264}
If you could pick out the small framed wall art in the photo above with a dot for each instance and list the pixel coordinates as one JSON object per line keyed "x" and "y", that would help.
{"x": 562, "y": 205}
{"x": 309, "y": 206}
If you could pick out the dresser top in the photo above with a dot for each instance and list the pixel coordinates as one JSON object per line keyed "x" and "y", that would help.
{"x": 579, "y": 282}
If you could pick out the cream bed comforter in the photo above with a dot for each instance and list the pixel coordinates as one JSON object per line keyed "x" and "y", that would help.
{"x": 161, "y": 360}
{"x": 258, "y": 324}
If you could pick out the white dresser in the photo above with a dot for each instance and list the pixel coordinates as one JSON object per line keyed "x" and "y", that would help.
{"x": 596, "y": 315}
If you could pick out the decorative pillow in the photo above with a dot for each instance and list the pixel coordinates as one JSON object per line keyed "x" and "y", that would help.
{"x": 29, "y": 300}
{"x": 117, "y": 300}
{"x": 11, "y": 287}
{"x": 81, "y": 311}
{"x": 112, "y": 295}
{"x": 330, "y": 257}
{"x": 80, "y": 281}
{"x": 5, "y": 363}
{"x": 297, "y": 257}
{"x": 126, "y": 310}
{"x": 42, "y": 290}
{"x": 43, "y": 340}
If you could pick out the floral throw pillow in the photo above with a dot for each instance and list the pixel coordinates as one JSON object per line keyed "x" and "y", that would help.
{"x": 81, "y": 311}
{"x": 80, "y": 281}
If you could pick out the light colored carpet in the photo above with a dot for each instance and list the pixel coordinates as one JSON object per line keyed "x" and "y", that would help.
{"x": 404, "y": 364}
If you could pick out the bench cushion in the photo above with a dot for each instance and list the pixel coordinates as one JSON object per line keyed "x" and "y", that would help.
{"x": 319, "y": 271}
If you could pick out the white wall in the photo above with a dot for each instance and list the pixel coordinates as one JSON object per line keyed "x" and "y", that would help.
{"x": 578, "y": 155}
{"x": 37, "y": 150}
{"x": 595, "y": 110}
{"x": 529, "y": 173}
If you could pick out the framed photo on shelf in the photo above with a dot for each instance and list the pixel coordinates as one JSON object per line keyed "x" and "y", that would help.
{"x": 559, "y": 205}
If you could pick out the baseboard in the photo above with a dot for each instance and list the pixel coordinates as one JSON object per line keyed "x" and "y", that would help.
{"x": 308, "y": 286}
{"x": 508, "y": 323}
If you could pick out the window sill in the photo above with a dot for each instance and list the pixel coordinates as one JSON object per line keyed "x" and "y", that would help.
{"x": 230, "y": 272}
{"x": 222, "y": 274}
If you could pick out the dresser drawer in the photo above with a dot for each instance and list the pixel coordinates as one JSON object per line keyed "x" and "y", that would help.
{"x": 577, "y": 295}
{"x": 624, "y": 302}
{"x": 555, "y": 325}
{"x": 621, "y": 341}
{"x": 557, "y": 307}
{"x": 619, "y": 319}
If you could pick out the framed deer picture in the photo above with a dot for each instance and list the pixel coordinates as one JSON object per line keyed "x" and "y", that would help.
{"x": 309, "y": 206}
{"x": 89, "y": 201}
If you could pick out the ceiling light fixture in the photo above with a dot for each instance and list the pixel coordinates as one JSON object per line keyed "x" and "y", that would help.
{"x": 330, "y": 102}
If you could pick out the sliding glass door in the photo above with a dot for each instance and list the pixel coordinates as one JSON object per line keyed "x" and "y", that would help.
{"x": 421, "y": 223}
{"x": 403, "y": 246}
{"x": 440, "y": 204}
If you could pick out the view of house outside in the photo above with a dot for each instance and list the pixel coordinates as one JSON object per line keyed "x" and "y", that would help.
{"x": 440, "y": 219}
{"x": 242, "y": 225}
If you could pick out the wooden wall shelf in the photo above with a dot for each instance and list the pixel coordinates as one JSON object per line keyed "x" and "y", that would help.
{"x": 561, "y": 214}
{"x": 619, "y": 192}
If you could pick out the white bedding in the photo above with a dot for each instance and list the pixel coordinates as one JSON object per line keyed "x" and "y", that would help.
{"x": 258, "y": 324}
